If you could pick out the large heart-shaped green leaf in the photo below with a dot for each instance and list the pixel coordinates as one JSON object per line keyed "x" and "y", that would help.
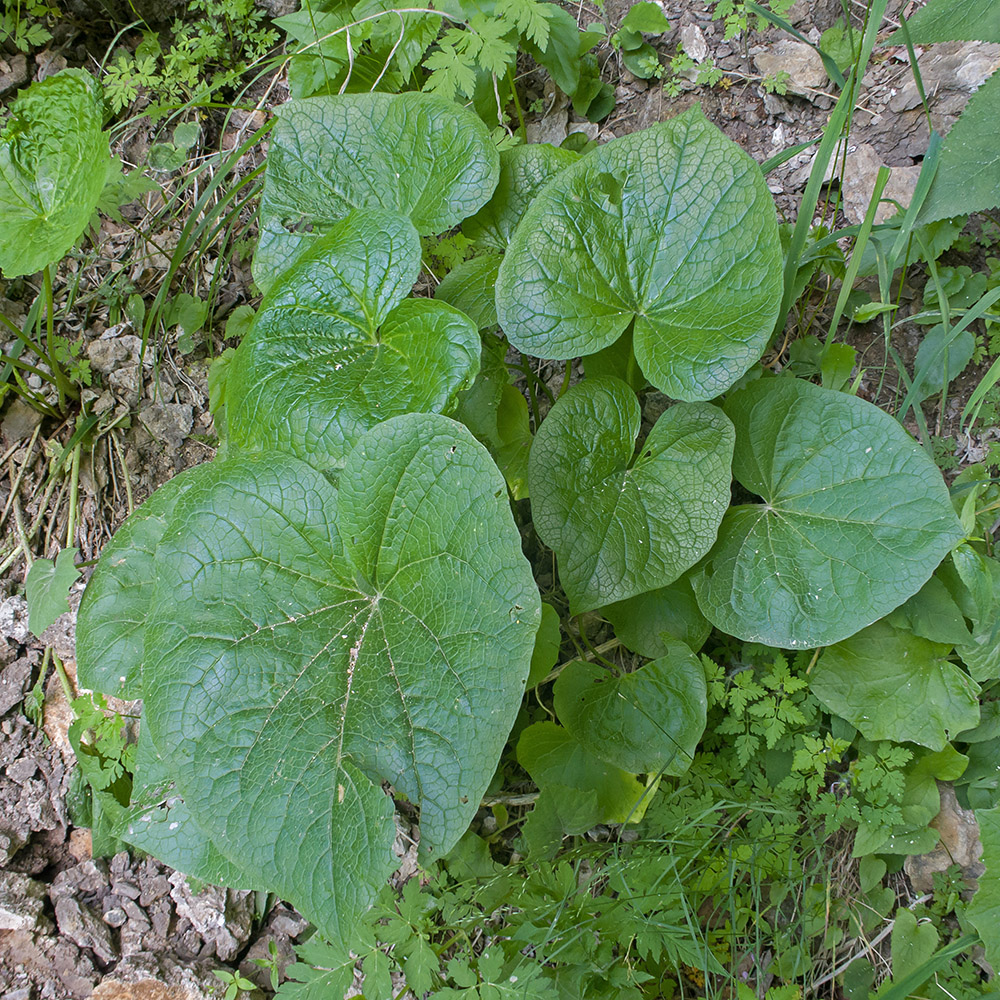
{"x": 893, "y": 685}
{"x": 523, "y": 171}
{"x": 159, "y": 822}
{"x": 305, "y": 644}
{"x": 621, "y": 523}
{"x": 646, "y": 721}
{"x": 116, "y": 603}
{"x": 414, "y": 154}
{"x": 336, "y": 348}
{"x": 854, "y": 519}
{"x": 54, "y": 161}
{"x": 671, "y": 229}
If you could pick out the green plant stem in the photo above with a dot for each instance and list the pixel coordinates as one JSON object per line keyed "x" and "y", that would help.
{"x": 521, "y": 128}
{"x": 74, "y": 486}
{"x": 25, "y": 367}
{"x": 60, "y": 376}
{"x": 881, "y": 179}
{"x": 63, "y": 678}
{"x": 599, "y": 651}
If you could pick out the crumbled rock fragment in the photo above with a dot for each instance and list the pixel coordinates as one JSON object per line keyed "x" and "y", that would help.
{"x": 13, "y": 72}
{"x": 145, "y": 976}
{"x": 14, "y": 680}
{"x": 22, "y": 901}
{"x": 806, "y": 73}
{"x": 168, "y": 422}
{"x": 222, "y": 917}
{"x": 14, "y": 620}
{"x": 858, "y": 184}
{"x": 959, "y": 845}
{"x": 78, "y": 923}
{"x": 693, "y": 40}
{"x": 20, "y": 421}
{"x": 960, "y": 66}
{"x": 260, "y": 950}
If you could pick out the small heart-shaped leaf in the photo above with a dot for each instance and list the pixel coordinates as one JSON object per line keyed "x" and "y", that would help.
{"x": 336, "y": 348}
{"x": 646, "y": 721}
{"x": 621, "y": 523}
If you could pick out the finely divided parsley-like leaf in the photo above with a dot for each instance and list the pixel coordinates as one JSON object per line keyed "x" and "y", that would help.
{"x": 953, "y": 21}
{"x": 337, "y": 348}
{"x": 530, "y": 17}
{"x": 853, "y": 520}
{"x": 619, "y": 523}
{"x": 305, "y": 643}
{"x": 892, "y": 685}
{"x": 417, "y": 155}
{"x": 671, "y": 231}
{"x": 968, "y": 173}
{"x": 646, "y": 721}
{"x": 54, "y": 161}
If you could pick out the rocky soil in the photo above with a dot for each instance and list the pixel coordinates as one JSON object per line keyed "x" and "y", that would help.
{"x": 74, "y": 926}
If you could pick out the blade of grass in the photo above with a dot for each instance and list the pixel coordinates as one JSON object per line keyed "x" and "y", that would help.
{"x": 846, "y": 287}
{"x": 842, "y": 114}
{"x": 976, "y": 312}
{"x": 786, "y": 154}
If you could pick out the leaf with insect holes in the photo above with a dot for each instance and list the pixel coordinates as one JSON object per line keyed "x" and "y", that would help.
{"x": 670, "y": 231}
{"x": 304, "y": 643}
{"x": 158, "y": 822}
{"x": 620, "y": 523}
{"x": 54, "y": 161}
{"x": 646, "y": 721}
{"x": 46, "y": 589}
{"x": 412, "y": 154}
{"x": 337, "y": 348}
{"x": 853, "y": 518}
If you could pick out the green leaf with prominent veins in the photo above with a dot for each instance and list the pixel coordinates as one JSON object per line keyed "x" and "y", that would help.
{"x": 646, "y": 721}
{"x": 968, "y": 174}
{"x": 523, "y": 171}
{"x": 158, "y": 822}
{"x": 620, "y": 523}
{"x": 854, "y": 518}
{"x": 560, "y": 764}
{"x": 646, "y": 623}
{"x": 119, "y": 594}
{"x": 892, "y": 685}
{"x": 54, "y": 161}
{"x": 471, "y": 287}
{"x": 46, "y": 587}
{"x": 953, "y": 21}
{"x": 413, "y": 154}
{"x": 671, "y": 230}
{"x": 336, "y": 348}
{"x": 306, "y": 644}
{"x": 984, "y": 910}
